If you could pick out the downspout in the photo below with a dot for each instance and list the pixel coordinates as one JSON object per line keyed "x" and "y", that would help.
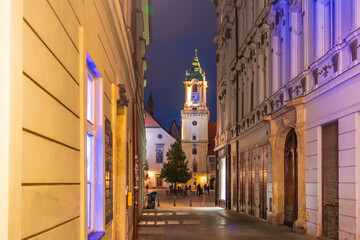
{"x": 136, "y": 166}
{"x": 237, "y": 107}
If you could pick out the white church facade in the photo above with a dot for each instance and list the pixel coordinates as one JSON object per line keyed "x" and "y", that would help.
{"x": 158, "y": 143}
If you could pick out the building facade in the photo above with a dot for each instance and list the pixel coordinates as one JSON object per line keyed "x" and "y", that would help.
{"x": 211, "y": 157}
{"x": 194, "y": 122}
{"x": 158, "y": 143}
{"x": 288, "y": 113}
{"x": 73, "y": 135}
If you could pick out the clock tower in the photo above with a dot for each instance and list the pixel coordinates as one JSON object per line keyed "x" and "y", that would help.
{"x": 194, "y": 120}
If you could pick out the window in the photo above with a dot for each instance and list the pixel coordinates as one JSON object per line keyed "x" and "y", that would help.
{"x": 160, "y": 136}
{"x": 329, "y": 26}
{"x": 94, "y": 150}
{"x": 222, "y": 178}
{"x": 90, "y": 151}
{"x": 194, "y": 151}
{"x": 195, "y": 88}
{"x": 159, "y": 153}
{"x": 89, "y": 178}
{"x": 90, "y": 98}
{"x": 194, "y": 137}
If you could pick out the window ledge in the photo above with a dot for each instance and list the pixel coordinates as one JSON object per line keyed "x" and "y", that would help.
{"x": 96, "y": 235}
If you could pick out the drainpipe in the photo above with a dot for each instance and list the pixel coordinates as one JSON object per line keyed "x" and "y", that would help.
{"x": 237, "y": 108}
{"x": 136, "y": 166}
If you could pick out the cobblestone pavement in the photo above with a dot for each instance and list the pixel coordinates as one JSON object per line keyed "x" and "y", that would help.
{"x": 208, "y": 223}
{"x": 204, "y": 221}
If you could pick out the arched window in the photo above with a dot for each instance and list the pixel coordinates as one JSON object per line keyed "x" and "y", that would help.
{"x": 194, "y": 151}
{"x": 195, "y": 88}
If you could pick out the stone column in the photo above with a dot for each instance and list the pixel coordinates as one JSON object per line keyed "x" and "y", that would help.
{"x": 300, "y": 224}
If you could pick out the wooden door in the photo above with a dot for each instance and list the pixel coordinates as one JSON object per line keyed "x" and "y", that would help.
{"x": 330, "y": 180}
{"x": 290, "y": 175}
{"x": 159, "y": 181}
{"x": 263, "y": 181}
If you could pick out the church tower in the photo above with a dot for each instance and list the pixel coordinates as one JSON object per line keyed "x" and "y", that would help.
{"x": 151, "y": 104}
{"x": 194, "y": 119}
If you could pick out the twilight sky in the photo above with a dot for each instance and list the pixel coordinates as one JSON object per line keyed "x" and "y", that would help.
{"x": 180, "y": 26}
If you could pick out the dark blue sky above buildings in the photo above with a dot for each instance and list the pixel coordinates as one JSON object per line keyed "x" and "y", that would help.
{"x": 179, "y": 26}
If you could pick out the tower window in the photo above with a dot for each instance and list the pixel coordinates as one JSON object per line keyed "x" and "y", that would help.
{"x": 194, "y": 137}
{"x": 194, "y": 151}
{"x": 195, "y": 88}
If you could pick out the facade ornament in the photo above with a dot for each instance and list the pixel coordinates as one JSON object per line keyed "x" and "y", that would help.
{"x": 123, "y": 101}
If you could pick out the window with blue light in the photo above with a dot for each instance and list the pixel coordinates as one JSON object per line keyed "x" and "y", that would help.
{"x": 94, "y": 144}
{"x": 90, "y": 99}
{"x": 89, "y": 178}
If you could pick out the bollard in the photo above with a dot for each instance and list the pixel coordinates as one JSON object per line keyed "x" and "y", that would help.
{"x": 174, "y": 201}
{"x": 158, "y": 199}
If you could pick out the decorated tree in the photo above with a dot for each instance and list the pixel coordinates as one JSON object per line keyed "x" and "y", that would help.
{"x": 176, "y": 169}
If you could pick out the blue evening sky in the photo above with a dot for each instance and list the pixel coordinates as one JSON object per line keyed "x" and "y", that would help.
{"x": 179, "y": 26}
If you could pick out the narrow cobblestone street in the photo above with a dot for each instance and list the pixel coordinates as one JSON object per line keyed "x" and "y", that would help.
{"x": 204, "y": 221}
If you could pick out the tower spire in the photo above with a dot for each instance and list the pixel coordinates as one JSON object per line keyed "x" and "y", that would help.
{"x": 150, "y": 104}
{"x": 195, "y": 70}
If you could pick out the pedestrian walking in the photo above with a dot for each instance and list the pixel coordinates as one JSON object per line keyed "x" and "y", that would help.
{"x": 205, "y": 188}
{"x": 198, "y": 189}
{"x": 147, "y": 188}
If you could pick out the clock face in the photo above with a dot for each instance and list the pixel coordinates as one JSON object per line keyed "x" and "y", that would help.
{"x": 194, "y": 123}
{"x": 195, "y": 98}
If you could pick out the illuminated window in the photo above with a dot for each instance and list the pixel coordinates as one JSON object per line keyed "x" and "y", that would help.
{"x": 94, "y": 150}
{"x": 90, "y": 151}
{"x": 159, "y": 153}
{"x": 90, "y": 98}
{"x": 222, "y": 178}
{"x": 89, "y": 178}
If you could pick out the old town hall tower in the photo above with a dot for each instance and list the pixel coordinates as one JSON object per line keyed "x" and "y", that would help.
{"x": 194, "y": 120}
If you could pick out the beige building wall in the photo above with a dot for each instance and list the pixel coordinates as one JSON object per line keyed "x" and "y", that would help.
{"x": 44, "y": 99}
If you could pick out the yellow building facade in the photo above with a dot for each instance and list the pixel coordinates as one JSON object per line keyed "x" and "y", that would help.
{"x": 194, "y": 121}
{"x": 72, "y": 129}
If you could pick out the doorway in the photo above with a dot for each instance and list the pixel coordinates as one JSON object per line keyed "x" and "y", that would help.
{"x": 159, "y": 181}
{"x": 330, "y": 181}
{"x": 290, "y": 175}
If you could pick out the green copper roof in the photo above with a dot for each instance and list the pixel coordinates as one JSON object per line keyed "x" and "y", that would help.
{"x": 195, "y": 69}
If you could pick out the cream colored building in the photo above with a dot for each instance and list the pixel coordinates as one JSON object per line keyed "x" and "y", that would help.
{"x": 194, "y": 122}
{"x": 72, "y": 142}
{"x": 288, "y": 113}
